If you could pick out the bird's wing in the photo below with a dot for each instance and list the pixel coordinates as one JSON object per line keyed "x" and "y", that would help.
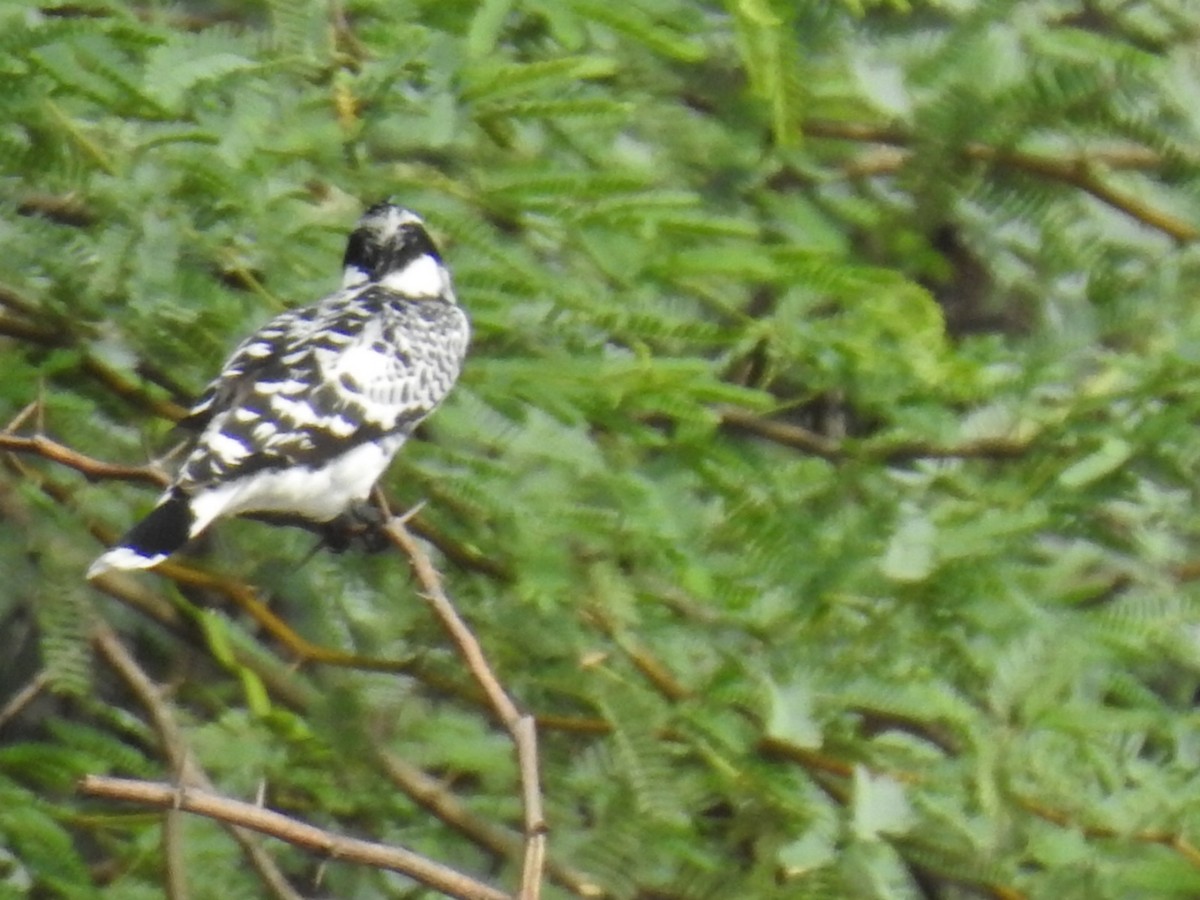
{"x": 396, "y": 359}
{"x": 256, "y": 353}
{"x": 367, "y": 364}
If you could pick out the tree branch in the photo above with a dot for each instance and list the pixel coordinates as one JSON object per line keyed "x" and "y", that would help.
{"x": 432, "y": 796}
{"x": 1172, "y": 839}
{"x": 520, "y": 726}
{"x": 246, "y": 598}
{"x": 183, "y": 763}
{"x": 807, "y": 441}
{"x": 23, "y": 697}
{"x": 1078, "y": 170}
{"x": 781, "y": 432}
{"x": 92, "y": 469}
{"x": 256, "y": 818}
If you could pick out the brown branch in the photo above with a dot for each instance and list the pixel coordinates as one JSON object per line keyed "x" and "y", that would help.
{"x": 27, "y": 331}
{"x": 1171, "y": 839}
{"x": 1081, "y": 173}
{"x": 87, "y": 466}
{"x": 1185, "y": 572}
{"x": 858, "y": 132}
{"x": 460, "y": 554}
{"x": 246, "y": 598}
{"x": 1078, "y": 170}
{"x": 875, "y": 162}
{"x": 24, "y": 697}
{"x": 65, "y": 209}
{"x": 520, "y": 726}
{"x": 781, "y": 432}
{"x": 815, "y": 761}
{"x": 982, "y": 448}
{"x": 186, "y": 768}
{"x": 128, "y": 391}
{"x": 57, "y": 334}
{"x": 432, "y": 796}
{"x": 174, "y": 868}
{"x": 1119, "y": 156}
{"x": 280, "y": 678}
{"x": 575, "y": 725}
{"x": 179, "y": 756}
{"x": 14, "y": 300}
{"x": 807, "y": 441}
{"x": 256, "y": 818}
{"x": 183, "y": 766}
{"x": 661, "y": 678}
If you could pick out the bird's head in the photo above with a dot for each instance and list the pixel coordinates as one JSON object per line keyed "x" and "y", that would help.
{"x": 391, "y": 247}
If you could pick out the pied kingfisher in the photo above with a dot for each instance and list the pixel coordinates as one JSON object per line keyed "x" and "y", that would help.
{"x": 307, "y": 413}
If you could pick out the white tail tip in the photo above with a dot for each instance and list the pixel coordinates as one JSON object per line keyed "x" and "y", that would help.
{"x": 123, "y": 558}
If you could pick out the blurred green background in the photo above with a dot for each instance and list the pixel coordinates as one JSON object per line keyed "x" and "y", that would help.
{"x": 822, "y": 475}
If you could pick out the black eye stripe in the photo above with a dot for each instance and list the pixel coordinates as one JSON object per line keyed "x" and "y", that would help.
{"x": 375, "y": 250}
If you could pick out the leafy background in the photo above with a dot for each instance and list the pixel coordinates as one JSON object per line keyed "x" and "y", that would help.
{"x": 822, "y": 476}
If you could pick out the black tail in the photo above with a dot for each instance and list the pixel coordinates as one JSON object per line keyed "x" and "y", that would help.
{"x": 151, "y": 540}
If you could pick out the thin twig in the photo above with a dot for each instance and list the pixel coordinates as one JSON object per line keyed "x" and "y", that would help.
{"x": 282, "y": 682}
{"x": 781, "y": 432}
{"x": 129, "y": 391}
{"x": 87, "y": 466}
{"x": 1078, "y": 170}
{"x": 56, "y": 334}
{"x": 24, "y": 697}
{"x": 1081, "y": 173}
{"x": 803, "y": 439}
{"x": 182, "y": 764}
{"x": 1172, "y": 839}
{"x": 26, "y": 331}
{"x": 651, "y": 668}
{"x": 65, "y": 209}
{"x": 247, "y": 815}
{"x": 520, "y": 726}
{"x": 175, "y": 870}
{"x": 246, "y": 598}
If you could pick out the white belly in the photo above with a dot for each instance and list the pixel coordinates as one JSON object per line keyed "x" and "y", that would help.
{"x": 317, "y": 494}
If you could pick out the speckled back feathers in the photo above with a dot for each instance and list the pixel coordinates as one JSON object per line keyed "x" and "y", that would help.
{"x": 308, "y": 411}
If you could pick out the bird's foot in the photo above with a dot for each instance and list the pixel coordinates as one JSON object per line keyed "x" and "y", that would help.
{"x": 361, "y": 526}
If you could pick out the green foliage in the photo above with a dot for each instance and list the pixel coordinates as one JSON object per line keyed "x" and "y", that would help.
{"x": 821, "y": 474}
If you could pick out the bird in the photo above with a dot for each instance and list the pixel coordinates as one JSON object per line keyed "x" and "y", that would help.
{"x": 307, "y": 412}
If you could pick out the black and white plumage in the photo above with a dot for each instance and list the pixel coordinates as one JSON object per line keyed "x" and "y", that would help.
{"x": 307, "y": 413}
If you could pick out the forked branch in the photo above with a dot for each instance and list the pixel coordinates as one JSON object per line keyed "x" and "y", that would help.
{"x": 435, "y": 875}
